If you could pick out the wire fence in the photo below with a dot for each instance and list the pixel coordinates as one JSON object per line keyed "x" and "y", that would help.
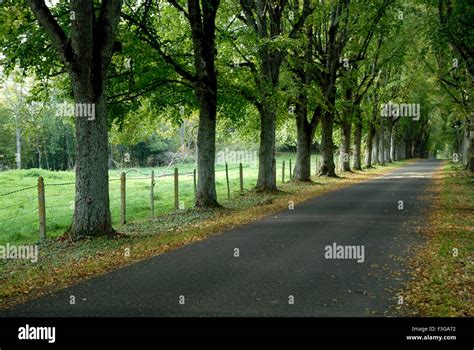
{"x": 46, "y": 209}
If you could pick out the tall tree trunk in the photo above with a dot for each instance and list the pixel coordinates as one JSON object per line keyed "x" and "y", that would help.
{"x": 465, "y": 143}
{"x": 382, "y": 144}
{"x": 202, "y": 23}
{"x": 18, "y": 144}
{"x": 38, "y": 150}
{"x": 206, "y": 195}
{"x": 91, "y": 210}
{"x": 46, "y": 158}
{"x": 302, "y": 170}
{"x": 268, "y": 26}
{"x": 408, "y": 149}
{"x": 391, "y": 131}
{"x": 346, "y": 127}
{"x": 328, "y": 167}
{"x": 266, "y": 167}
{"x": 305, "y": 129}
{"x": 271, "y": 62}
{"x": 370, "y": 143}
{"x": 470, "y": 163}
{"x": 392, "y": 144}
{"x": 358, "y": 142}
{"x": 401, "y": 150}
{"x": 305, "y": 134}
{"x": 377, "y": 146}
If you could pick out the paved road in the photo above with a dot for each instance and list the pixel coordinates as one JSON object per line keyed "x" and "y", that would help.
{"x": 281, "y": 259}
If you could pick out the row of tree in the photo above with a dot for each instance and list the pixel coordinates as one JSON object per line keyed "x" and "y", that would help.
{"x": 328, "y": 65}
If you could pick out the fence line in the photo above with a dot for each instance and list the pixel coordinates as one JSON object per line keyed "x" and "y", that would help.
{"x": 16, "y": 191}
{"x": 127, "y": 193}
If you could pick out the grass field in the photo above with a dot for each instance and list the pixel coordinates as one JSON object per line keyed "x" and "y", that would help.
{"x": 19, "y": 210}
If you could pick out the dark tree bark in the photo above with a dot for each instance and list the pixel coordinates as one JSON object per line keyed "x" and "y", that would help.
{"x": 305, "y": 134}
{"x": 266, "y": 181}
{"x": 206, "y": 195}
{"x": 370, "y": 144}
{"x": 305, "y": 129}
{"x": 470, "y": 154}
{"x": 377, "y": 146}
{"x": 86, "y": 55}
{"x": 328, "y": 167}
{"x": 268, "y": 25}
{"x": 203, "y": 34}
{"x": 358, "y": 141}
{"x": 302, "y": 171}
{"x": 381, "y": 158}
{"x": 346, "y": 128}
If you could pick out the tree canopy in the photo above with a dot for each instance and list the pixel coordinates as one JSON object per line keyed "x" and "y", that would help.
{"x": 364, "y": 81}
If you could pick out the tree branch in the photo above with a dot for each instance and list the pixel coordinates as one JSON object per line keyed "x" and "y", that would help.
{"x": 179, "y": 7}
{"x": 148, "y": 37}
{"x": 52, "y": 29}
{"x": 107, "y": 24}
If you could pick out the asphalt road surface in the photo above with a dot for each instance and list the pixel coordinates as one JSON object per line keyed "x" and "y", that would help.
{"x": 282, "y": 267}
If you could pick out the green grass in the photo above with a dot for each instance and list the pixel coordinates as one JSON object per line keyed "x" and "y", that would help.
{"x": 19, "y": 210}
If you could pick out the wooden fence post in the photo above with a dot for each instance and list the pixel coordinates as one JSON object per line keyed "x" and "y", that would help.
{"x": 41, "y": 208}
{"x": 283, "y": 172}
{"x": 152, "y": 194}
{"x": 227, "y": 180}
{"x": 241, "y": 176}
{"x": 291, "y": 175}
{"x": 195, "y": 184}
{"x": 123, "y": 199}
{"x": 176, "y": 189}
{"x": 274, "y": 167}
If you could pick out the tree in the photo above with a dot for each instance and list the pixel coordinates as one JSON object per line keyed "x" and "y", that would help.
{"x": 86, "y": 54}
{"x": 359, "y": 73}
{"x": 331, "y": 37}
{"x": 303, "y": 101}
{"x": 265, "y": 19}
{"x": 203, "y": 33}
{"x": 455, "y": 19}
{"x": 201, "y": 18}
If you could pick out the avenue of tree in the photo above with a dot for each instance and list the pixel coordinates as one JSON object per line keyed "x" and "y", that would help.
{"x": 324, "y": 72}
